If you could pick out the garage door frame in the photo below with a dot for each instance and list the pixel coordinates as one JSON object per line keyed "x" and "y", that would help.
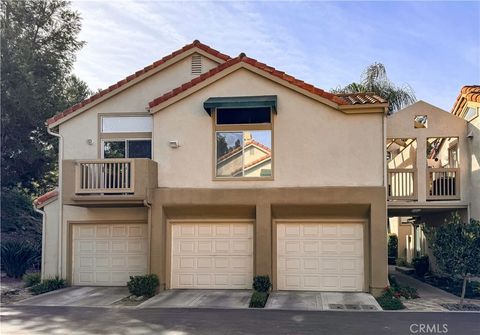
{"x": 366, "y": 243}
{"x": 70, "y": 225}
{"x": 169, "y": 239}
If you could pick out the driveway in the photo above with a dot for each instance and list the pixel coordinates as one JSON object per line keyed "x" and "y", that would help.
{"x": 199, "y": 299}
{"x": 78, "y": 296}
{"x": 322, "y": 301}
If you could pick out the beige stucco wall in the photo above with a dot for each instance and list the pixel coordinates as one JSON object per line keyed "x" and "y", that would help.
{"x": 74, "y": 214}
{"x": 313, "y": 144}
{"x": 474, "y": 154}
{"x": 440, "y": 124}
{"x": 50, "y": 240}
{"x": 135, "y": 99}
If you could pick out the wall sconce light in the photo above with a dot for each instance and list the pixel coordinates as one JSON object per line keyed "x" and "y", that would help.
{"x": 173, "y": 144}
{"x": 90, "y": 141}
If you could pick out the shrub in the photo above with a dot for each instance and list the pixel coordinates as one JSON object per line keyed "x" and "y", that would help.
{"x": 258, "y": 300}
{"x": 408, "y": 292}
{"x": 31, "y": 279}
{"x": 17, "y": 257}
{"x": 390, "y": 300}
{"x": 47, "y": 285}
{"x": 420, "y": 264}
{"x": 392, "y": 246}
{"x": 145, "y": 285}
{"x": 262, "y": 283}
{"x": 401, "y": 262}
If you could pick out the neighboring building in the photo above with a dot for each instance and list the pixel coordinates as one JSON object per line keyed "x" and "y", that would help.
{"x": 207, "y": 170}
{"x": 467, "y": 106}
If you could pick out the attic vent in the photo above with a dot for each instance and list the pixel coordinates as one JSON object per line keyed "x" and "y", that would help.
{"x": 196, "y": 65}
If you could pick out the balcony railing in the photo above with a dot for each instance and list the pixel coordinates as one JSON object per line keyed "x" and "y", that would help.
{"x": 402, "y": 184}
{"x": 443, "y": 183}
{"x": 105, "y": 176}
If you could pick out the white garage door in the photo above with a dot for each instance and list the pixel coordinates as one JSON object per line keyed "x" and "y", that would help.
{"x": 320, "y": 256}
{"x": 212, "y": 255}
{"x": 107, "y": 254}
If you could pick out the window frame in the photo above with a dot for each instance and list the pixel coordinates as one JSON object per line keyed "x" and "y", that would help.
{"x": 465, "y": 110}
{"x": 216, "y": 128}
{"x": 125, "y": 140}
{"x": 123, "y": 136}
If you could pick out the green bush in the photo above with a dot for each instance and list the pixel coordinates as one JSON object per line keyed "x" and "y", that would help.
{"x": 401, "y": 262}
{"x": 31, "y": 279}
{"x": 420, "y": 264}
{"x": 145, "y": 285}
{"x": 258, "y": 300}
{"x": 262, "y": 283}
{"x": 408, "y": 292}
{"x": 17, "y": 257}
{"x": 392, "y": 246}
{"x": 47, "y": 285}
{"x": 390, "y": 299}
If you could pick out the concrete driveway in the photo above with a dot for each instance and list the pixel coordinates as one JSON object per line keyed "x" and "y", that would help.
{"x": 199, "y": 299}
{"x": 78, "y": 296}
{"x": 321, "y": 301}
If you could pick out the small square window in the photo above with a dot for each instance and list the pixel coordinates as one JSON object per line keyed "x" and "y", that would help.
{"x": 421, "y": 121}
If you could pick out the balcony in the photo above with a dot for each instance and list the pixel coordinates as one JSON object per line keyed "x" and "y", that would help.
{"x": 108, "y": 181}
{"x": 402, "y": 184}
{"x": 441, "y": 184}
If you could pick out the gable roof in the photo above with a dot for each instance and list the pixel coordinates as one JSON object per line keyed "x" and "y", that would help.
{"x": 247, "y": 144}
{"x": 336, "y": 101}
{"x": 467, "y": 94}
{"x": 53, "y": 121}
{"x": 44, "y": 198}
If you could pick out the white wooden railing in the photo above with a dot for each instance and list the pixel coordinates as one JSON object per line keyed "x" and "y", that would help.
{"x": 402, "y": 184}
{"x": 104, "y": 176}
{"x": 443, "y": 183}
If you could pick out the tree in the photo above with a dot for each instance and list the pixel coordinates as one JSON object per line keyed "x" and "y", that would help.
{"x": 39, "y": 40}
{"x": 374, "y": 79}
{"x": 456, "y": 247}
{"x": 38, "y": 46}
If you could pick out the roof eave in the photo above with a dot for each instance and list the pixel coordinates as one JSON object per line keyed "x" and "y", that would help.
{"x": 364, "y": 108}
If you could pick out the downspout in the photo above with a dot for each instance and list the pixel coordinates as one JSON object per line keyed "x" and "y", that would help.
{"x": 60, "y": 200}
{"x": 44, "y": 234}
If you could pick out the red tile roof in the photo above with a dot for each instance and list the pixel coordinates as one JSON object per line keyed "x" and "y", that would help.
{"x": 124, "y": 81}
{"x": 45, "y": 197}
{"x": 467, "y": 93}
{"x": 362, "y": 98}
{"x": 238, "y": 149}
{"x": 244, "y": 59}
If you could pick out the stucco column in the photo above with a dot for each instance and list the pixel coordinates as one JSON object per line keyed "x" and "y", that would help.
{"x": 158, "y": 242}
{"x": 378, "y": 247}
{"x": 263, "y": 240}
{"x": 422, "y": 169}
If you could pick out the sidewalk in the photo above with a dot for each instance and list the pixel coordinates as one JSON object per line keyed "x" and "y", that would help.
{"x": 431, "y": 297}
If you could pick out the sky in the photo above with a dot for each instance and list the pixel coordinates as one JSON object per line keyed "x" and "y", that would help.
{"x": 432, "y": 46}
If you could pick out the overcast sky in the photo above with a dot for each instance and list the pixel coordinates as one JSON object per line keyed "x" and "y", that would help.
{"x": 433, "y": 46}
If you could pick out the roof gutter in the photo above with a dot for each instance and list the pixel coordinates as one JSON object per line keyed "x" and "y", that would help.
{"x": 60, "y": 202}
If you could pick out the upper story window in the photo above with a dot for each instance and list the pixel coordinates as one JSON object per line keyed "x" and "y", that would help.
{"x": 470, "y": 113}
{"x": 126, "y": 124}
{"x": 126, "y": 136}
{"x": 243, "y": 136}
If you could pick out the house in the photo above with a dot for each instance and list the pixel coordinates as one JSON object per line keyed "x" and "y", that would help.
{"x": 430, "y": 173}
{"x": 207, "y": 170}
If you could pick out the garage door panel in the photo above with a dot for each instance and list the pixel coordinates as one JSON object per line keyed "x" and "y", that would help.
{"x": 320, "y": 256}
{"x": 108, "y": 254}
{"x": 212, "y": 255}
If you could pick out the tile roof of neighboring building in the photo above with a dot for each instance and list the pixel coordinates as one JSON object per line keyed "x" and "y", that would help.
{"x": 124, "y": 81}
{"x": 467, "y": 93}
{"x": 242, "y": 58}
{"x": 41, "y": 200}
{"x": 239, "y": 149}
{"x": 362, "y": 98}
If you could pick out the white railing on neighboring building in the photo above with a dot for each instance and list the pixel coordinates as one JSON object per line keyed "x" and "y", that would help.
{"x": 402, "y": 184}
{"x": 443, "y": 183}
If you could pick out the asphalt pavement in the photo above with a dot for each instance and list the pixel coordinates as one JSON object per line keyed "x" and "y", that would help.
{"x": 178, "y": 321}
